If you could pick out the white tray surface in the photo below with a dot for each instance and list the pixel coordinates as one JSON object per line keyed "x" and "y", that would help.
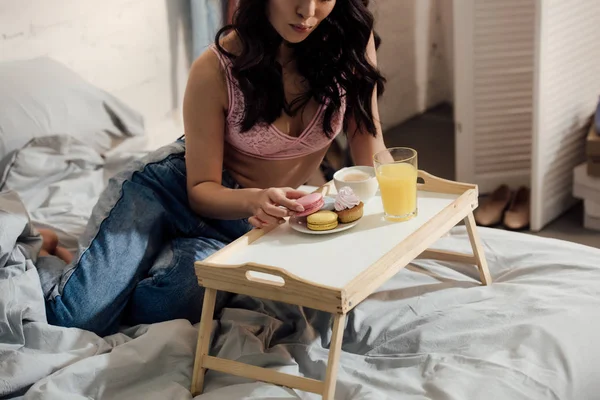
{"x": 334, "y": 260}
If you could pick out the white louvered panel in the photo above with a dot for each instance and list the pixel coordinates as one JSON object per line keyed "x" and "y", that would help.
{"x": 503, "y": 86}
{"x": 516, "y": 131}
{"x": 497, "y": 124}
{"x": 500, "y": 163}
{"x": 497, "y": 48}
{"x": 566, "y": 95}
{"x": 504, "y": 168}
{"x": 503, "y": 95}
{"x": 494, "y": 79}
{"x": 487, "y": 150}
{"x": 515, "y": 33}
{"x": 517, "y": 138}
{"x": 508, "y": 65}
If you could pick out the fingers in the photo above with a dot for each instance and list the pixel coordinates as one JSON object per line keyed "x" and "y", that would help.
{"x": 295, "y": 194}
{"x": 255, "y": 222}
{"x": 276, "y": 205}
{"x": 280, "y": 197}
{"x": 267, "y": 219}
{"x": 258, "y": 223}
{"x": 275, "y": 211}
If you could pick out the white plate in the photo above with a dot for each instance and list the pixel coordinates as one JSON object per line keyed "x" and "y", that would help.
{"x": 299, "y": 224}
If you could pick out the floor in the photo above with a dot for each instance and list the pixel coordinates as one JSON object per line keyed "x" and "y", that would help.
{"x": 432, "y": 135}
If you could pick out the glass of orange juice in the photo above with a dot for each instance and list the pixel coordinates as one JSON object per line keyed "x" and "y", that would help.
{"x": 396, "y": 169}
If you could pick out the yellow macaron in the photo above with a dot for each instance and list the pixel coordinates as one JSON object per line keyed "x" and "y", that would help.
{"x": 322, "y": 221}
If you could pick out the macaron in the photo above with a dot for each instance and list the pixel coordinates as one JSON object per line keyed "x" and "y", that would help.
{"x": 322, "y": 221}
{"x": 329, "y": 203}
{"x": 311, "y": 203}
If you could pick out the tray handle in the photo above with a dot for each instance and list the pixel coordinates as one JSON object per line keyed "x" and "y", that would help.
{"x": 286, "y": 287}
{"x": 433, "y": 183}
{"x": 247, "y": 271}
{"x": 270, "y": 272}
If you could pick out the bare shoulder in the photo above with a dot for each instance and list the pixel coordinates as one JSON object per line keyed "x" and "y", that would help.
{"x": 207, "y": 77}
{"x": 205, "y": 99}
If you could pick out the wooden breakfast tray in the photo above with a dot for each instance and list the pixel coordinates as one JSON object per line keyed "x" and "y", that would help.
{"x": 332, "y": 272}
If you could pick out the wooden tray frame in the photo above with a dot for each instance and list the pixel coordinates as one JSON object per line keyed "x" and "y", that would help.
{"x": 214, "y": 276}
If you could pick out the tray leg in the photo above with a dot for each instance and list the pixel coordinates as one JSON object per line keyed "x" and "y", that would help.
{"x": 204, "y": 362}
{"x": 335, "y": 349}
{"x": 203, "y": 346}
{"x": 484, "y": 272}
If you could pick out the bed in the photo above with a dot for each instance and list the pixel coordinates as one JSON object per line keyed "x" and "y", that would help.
{"x": 431, "y": 332}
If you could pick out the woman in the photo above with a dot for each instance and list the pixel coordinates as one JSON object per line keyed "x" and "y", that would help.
{"x": 261, "y": 107}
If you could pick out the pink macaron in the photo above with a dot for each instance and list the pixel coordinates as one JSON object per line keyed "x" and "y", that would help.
{"x": 311, "y": 203}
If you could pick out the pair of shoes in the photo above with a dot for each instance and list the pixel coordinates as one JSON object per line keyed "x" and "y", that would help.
{"x": 504, "y": 206}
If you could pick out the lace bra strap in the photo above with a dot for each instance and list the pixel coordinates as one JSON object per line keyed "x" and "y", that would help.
{"x": 231, "y": 89}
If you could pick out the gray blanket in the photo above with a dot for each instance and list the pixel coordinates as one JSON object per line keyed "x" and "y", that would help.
{"x": 431, "y": 332}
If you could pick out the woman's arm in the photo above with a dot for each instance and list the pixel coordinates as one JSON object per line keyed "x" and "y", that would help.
{"x": 204, "y": 106}
{"x": 363, "y": 145}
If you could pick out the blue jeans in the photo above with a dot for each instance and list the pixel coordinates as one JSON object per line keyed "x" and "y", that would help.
{"x": 135, "y": 262}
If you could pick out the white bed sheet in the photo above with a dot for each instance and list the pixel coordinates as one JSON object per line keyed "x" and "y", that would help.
{"x": 431, "y": 332}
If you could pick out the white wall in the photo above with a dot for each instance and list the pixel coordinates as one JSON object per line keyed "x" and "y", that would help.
{"x": 416, "y": 55}
{"x": 135, "y": 49}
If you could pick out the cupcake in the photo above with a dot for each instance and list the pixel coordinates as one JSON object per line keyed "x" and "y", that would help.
{"x": 348, "y": 206}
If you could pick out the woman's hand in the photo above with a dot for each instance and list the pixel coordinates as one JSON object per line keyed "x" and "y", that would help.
{"x": 273, "y": 205}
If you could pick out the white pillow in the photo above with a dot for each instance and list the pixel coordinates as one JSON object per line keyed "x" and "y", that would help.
{"x": 41, "y": 97}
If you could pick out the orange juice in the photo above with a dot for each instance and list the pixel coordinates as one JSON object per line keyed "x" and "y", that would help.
{"x": 398, "y": 187}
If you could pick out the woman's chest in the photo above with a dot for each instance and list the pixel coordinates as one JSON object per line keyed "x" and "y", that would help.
{"x": 303, "y": 111}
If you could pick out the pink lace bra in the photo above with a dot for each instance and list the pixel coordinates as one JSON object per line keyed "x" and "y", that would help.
{"x": 265, "y": 140}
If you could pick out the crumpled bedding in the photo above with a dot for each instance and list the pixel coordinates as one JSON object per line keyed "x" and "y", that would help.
{"x": 431, "y": 332}
{"x": 59, "y": 179}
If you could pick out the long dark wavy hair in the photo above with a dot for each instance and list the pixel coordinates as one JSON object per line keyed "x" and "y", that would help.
{"x": 334, "y": 54}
